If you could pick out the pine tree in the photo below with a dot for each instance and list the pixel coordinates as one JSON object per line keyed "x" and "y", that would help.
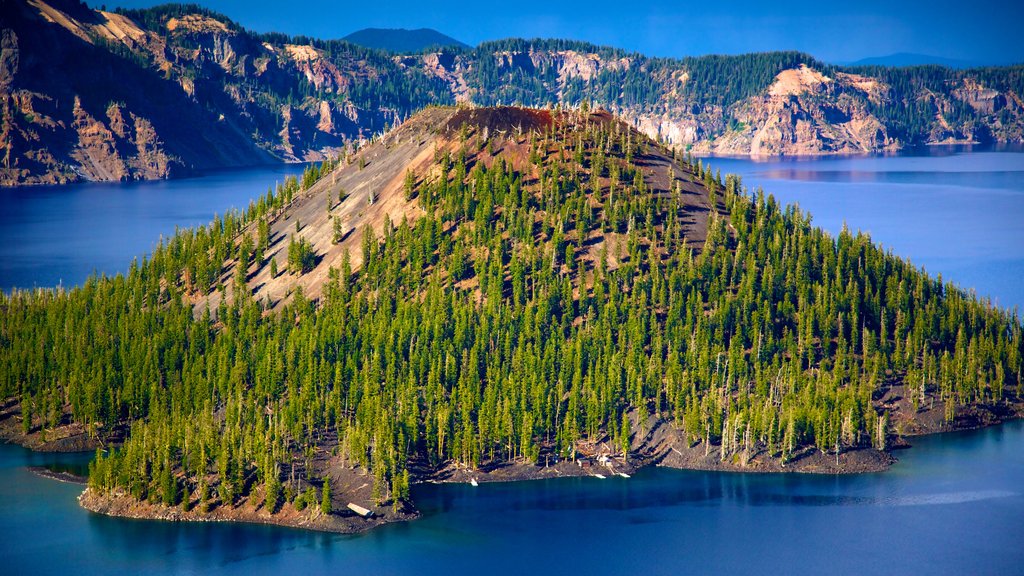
{"x": 325, "y": 497}
{"x": 409, "y": 185}
{"x": 273, "y": 491}
{"x": 338, "y": 231}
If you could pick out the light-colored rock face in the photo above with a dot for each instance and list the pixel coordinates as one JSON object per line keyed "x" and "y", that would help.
{"x": 196, "y": 23}
{"x": 982, "y": 99}
{"x": 572, "y": 64}
{"x": 669, "y": 128}
{"x": 321, "y": 73}
{"x": 451, "y": 69}
{"x": 301, "y": 53}
{"x": 799, "y": 125}
{"x": 791, "y": 118}
{"x": 569, "y": 64}
{"x": 872, "y": 88}
{"x": 576, "y": 65}
{"x": 797, "y": 81}
{"x": 326, "y": 123}
{"x": 805, "y": 112}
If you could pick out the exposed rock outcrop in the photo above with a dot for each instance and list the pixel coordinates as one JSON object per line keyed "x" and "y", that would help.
{"x": 805, "y": 112}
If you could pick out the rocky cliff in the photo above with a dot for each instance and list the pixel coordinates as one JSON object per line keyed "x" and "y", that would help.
{"x": 757, "y": 104}
{"x": 95, "y": 95}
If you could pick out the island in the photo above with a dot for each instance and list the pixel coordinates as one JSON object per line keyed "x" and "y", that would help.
{"x": 492, "y": 294}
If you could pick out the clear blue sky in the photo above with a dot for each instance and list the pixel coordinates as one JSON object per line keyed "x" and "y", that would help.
{"x": 989, "y": 31}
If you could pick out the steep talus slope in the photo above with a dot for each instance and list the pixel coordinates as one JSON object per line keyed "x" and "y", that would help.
{"x": 372, "y": 182}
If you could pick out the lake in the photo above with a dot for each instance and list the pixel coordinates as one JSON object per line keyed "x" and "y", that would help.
{"x": 954, "y": 504}
{"x": 61, "y": 234}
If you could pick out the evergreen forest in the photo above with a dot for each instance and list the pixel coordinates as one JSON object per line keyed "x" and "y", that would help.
{"x": 575, "y": 292}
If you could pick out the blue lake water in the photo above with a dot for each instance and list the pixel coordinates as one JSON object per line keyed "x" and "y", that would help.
{"x": 62, "y": 234}
{"x": 953, "y": 505}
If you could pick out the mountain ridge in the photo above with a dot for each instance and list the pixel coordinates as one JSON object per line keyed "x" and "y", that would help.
{"x": 904, "y": 59}
{"x": 186, "y": 89}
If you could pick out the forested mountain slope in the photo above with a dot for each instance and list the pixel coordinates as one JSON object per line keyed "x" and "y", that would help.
{"x": 497, "y": 293}
{"x": 152, "y": 93}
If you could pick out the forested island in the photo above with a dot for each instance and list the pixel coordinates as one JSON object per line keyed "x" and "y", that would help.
{"x": 492, "y": 294}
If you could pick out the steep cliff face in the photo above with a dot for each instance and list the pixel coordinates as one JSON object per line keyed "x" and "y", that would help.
{"x": 805, "y": 112}
{"x": 755, "y": 104}
{"x": 78, "y": 105}
{"x": 95, "y": 95}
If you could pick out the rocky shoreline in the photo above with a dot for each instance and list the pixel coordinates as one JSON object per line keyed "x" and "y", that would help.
{"x": 60, "y": 476}
{"x": 122, "y": 505}
{"x": 656, "y": 443}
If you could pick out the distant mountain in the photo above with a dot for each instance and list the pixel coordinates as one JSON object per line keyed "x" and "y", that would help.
{"x": 401, "y": 40}
{"x": 902, "y": 59}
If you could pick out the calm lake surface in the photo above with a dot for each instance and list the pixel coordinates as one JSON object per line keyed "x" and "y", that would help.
{"x": 954, "y": 504}
{"x": 62, "y": 234}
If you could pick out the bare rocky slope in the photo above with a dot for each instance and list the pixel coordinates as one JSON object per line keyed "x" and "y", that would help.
{"x": 94, "y": 95}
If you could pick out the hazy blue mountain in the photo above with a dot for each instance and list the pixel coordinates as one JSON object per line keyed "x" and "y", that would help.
{"x": 402, "y": 40}
{"x": 901, "y": 59}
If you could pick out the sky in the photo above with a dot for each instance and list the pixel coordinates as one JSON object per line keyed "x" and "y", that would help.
{"x": 988, "y": 32}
